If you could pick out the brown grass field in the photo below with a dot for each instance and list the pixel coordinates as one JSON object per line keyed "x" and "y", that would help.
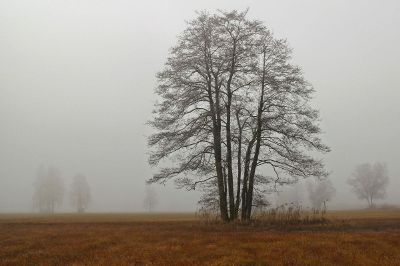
{"x": 346, "y": 238}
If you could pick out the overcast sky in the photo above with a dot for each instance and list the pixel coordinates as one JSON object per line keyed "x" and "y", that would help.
{"x": 77, "y": 80}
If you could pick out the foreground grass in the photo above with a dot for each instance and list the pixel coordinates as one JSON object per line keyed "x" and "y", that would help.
{"x": 348, "y": 238}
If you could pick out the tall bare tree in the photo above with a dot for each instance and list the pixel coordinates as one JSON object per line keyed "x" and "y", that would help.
{"x": 48, "y": 189}
{"x": 80, "y": 193}
{"x": 232, "y": 105}
{"x": 369, "y": 182}
{"x": 320, "y": 192}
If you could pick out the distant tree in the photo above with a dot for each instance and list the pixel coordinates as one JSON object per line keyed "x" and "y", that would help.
{"x": 48, "y": 189}
{"x": 320, "y": 192}
{"x": 150, "y": 200}
{"x": 80, "y": 193}
{"x": 369, "y": 182}
{"x": 231, "y": 104}
{"x": 292, "y": 194}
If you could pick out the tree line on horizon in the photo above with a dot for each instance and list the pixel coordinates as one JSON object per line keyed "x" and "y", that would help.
{"x": 368, "y": 182}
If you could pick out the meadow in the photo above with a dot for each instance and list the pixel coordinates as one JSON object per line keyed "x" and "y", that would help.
{"x": 365, "y": 237}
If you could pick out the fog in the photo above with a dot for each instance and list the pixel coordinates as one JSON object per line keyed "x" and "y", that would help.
{"x": 77, "y": 83}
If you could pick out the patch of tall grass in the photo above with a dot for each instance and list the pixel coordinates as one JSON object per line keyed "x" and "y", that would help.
{"x": 285, "y": 214}
{"x": 290, "y": 213}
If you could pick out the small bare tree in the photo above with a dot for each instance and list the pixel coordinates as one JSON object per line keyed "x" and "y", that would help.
{"x": 80, "y": 193}
{"x": 150, "y": 200}
{"x": 320, "y": 192}
{"x": 49, "y": 189}
{"x": 369, "y": 182}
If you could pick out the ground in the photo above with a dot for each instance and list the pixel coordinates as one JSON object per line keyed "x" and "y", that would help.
{"x": 346, "y": 238}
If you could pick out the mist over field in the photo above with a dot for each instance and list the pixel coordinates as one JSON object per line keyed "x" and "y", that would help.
{"x": 77, "y": 82}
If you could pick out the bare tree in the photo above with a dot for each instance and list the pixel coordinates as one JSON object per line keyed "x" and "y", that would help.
{"x": 150, "y": 200}
{"x": 48, "y": 189}
{"x": 232, "y": 106}
{"x": 320, "y": 192}
{"x": 80, "y": 193}
{"x": 369, "y": 182}
{"x": 292, "y": 194}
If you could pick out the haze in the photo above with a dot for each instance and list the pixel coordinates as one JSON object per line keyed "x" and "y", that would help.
{"x": 77, "y": 81}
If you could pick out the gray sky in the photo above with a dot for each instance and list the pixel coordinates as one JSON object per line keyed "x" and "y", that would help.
{"x": 77, "y": 80}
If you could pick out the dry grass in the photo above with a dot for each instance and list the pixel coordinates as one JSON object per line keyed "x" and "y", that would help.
{"x": 348, "y": 238}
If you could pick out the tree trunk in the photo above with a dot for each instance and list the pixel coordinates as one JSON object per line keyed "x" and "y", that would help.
{"x": 220, "y": 177}
{"x": 245, "y": 178}
{"x": 216, "y": 130}
{"x": 239, "y": 166}
{"x": 249, "y": 197}
{"x": 229, "y": 136}
{"x": 229, "y": 158}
